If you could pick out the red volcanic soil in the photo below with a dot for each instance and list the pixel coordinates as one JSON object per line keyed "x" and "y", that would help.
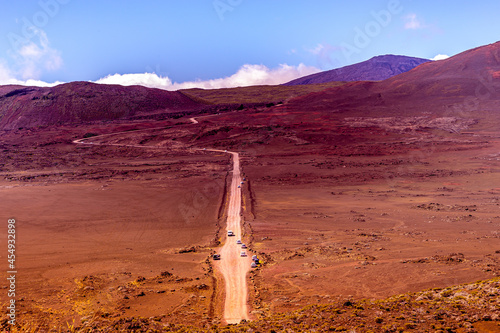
{"x": 78, "y": 102}
{"x": 111, "y": 231}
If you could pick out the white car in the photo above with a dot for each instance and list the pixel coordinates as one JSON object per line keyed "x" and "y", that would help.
{"x": 243, "y": 254}
{"x": 230, "y": 233}
{"x": 238, "y": 241}
{"x": 243, "y": 246}
{"x": 253, "y": 265}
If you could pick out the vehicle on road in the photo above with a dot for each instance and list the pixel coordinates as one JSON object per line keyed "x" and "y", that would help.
{"x": 216, "y": 256}
{"x": 253, "y": 265}
{"x": 243, "y": 246}
{"x": 230, "y": 233}
{"x": 238, "y": 241}
{"x": 242, "y": 182}
{"x": 239, "y": 186}
{"x": 243, "y": 254}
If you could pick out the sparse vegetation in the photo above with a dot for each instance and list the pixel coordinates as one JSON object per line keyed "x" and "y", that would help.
{"x": 89, "y": 135}
{"x": 420, "y": 312}
{"x": 270, "y": 95}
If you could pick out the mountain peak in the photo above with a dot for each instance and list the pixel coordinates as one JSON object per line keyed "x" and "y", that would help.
{"x": 375, "y": 69}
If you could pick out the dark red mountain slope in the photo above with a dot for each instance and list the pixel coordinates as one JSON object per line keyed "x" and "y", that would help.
{"x": 79, "y": 102}
{"x": 465, "y": 85}
{"x": 375, "y": 69}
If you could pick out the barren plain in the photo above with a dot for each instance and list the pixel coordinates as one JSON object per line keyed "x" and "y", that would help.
{"x": 111, "y": 232}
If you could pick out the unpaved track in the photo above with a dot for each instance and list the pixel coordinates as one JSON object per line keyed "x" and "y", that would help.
{"x": 233, "y": 267}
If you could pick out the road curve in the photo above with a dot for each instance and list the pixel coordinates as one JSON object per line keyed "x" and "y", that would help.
{"x": 232, "y": 266}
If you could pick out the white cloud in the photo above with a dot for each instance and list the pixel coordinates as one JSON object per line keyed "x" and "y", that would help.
{"x": 247, "y": 75}
{"x": 317, "y": 50}
{"x": 34, "y": 83}
{"x": 323, "y": 54}
{"x": 412, "y": 22}
{"x": 145, "y": 79}
{"x": 34, "y": 55}
{"x": 440, "y": 57}
{"x": 5, "y": 73}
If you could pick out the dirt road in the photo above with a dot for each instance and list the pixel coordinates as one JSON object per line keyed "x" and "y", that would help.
{"x": 233, "y": 267}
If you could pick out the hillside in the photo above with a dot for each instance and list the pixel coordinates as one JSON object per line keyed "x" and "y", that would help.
{"x": 375, "y": 69}
{"x": 255, "y": 94}
{"x": 79, "y": 102}
{"x": 466, "y": 86}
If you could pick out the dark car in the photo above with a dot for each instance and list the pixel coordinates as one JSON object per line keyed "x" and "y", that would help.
{"x": 216, "y": 257}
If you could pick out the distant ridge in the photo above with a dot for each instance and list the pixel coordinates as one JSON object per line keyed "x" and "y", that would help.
{"x": 375, "y": 69}
{"x": 80, "y": 102}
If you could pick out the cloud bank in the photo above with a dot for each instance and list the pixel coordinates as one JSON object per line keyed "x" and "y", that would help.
{"x": 440, "y": 57}
{"x": 247, "y": 75}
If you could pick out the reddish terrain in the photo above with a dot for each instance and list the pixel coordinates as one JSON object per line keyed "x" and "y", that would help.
{"x": 375, "y": 69}
{"x": 355, "y": 194}
{"x": 81, "y": 102}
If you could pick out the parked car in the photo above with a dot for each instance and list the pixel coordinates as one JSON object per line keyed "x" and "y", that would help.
{"x": 254, "y": 257}
{"x": 238, "y": 241}
{"x": 243, "y": 254}
{"x": 216, "y": 257}
{"x": 239, "y": 186}
{"x": 243, "y": 246}
{"x": 253, "y": 265}
{"x": 230, "y": 233}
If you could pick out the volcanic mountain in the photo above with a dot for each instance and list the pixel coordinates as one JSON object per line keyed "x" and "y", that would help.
{"x": 466, "y": 86}
{"x": 375, "y": 69}
{"x": 79, "y": 102}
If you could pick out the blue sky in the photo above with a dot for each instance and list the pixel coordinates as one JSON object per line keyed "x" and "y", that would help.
{"x": 212, "y": 43}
